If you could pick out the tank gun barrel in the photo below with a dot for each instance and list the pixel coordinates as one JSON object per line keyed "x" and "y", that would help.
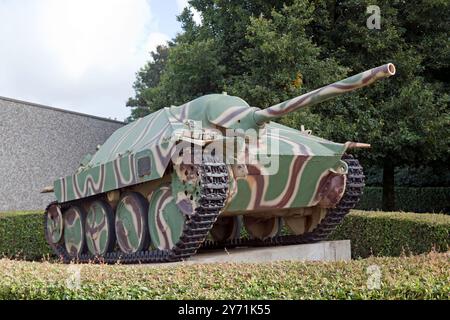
{"x": 327, "y": 92}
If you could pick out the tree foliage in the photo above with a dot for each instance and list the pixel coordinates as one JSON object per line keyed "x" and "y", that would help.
{"x": 269, "y": 51}
{"x": 405, "y": 116}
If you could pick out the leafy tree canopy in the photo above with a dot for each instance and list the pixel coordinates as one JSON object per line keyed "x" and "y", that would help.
{"x": 270, "y": 51}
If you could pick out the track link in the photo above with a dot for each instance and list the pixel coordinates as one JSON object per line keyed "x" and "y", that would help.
{"x": 352, "y": 194}
{"x": 214, "y": 188}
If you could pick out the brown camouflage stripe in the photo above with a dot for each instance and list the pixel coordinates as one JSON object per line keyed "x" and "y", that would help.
{"x": 93, "y": 230}
{"x": 121, "y": 233}
{"x": 163, "y": 228}
{"x": 73, "y": 240}
{"x": 140, "y": 214}
{"x": 259, "y": 183}
{"x": 147, "y": 130}
{"x": 231, "y": 116}
{"x": 55, "y": 224}
{"x": 329, "y": 190}
{"x": 298, "y": 148}
{"x": 183, "y": 112}
{"x": 137, "y": 212}
{"x": 70, "y": 216}
{"x": 159, "y": 135}
{"x": 308, "y": 99}
{"x": 162, "y": 157}
{"x": 90, "y": 183}
{"x": 125, "y": 135}
{"x": 120, "y": 179}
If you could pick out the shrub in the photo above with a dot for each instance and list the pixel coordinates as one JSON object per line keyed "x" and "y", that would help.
{"x": 391, "y": 233}
{"x": 409, "y": 199}
{"x": 419, "y": 277}
{"x": 378, "y": 233}
{"x": 22, "y": 235}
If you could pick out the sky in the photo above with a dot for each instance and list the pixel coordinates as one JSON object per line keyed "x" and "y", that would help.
{"x": 81, "y": 55}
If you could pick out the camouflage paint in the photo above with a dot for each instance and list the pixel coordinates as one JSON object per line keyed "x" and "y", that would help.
{"x": 99, "y": 228}
{"x": 165, "y": 219}
{"x": 55, "y": 224}
{"x": 357, "y": 81}
{"x": 296, "y": 184}
{"x": 74, "y": 240}
{"x": 185, "y": 187}
{"x": 307, "y": 221}
{"x": 115, "y": 164}
{"x": 130, "y": 223}
{"x": 310, "y": 173}
{"x": 262, "y": 228}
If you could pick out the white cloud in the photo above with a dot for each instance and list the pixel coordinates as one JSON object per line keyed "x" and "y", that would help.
{"x": 181, "y": 4}
{"x": 155, "y": 39}
{"x": 75, "y": 54}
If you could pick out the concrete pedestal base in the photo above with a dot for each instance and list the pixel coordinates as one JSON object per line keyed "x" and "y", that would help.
{"x": 321, "y": 251}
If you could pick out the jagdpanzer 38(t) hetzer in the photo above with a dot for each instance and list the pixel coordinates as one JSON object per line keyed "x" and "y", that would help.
{"x": 187, "y": 178}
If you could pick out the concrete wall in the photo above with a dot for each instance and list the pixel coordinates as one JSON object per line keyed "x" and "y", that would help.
{"x": 39, "y": 144}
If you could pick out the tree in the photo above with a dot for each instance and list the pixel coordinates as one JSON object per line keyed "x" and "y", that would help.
{"x": 269, "y": 51}
{"x": 226, "y": 22}
{"x": 192, "y": 70}
{"x": 147, "y": 77}
{"x": 185, "y": 69}
{"x": 406, "y": 119}
{"x": 281, "y": 59}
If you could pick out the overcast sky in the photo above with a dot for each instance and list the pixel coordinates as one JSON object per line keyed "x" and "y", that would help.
{"x": 80, "y": 55}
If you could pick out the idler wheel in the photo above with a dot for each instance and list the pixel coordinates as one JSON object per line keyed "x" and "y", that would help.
{"x": 131, "y": 223}
{"x": 262, "y": 228}
{"x": 55, "y": 224}
{"x": 165, "y": 219}
{"x": 100, "y": 234}
{"x": 74, "y": 223}
{"x": 226, "y": 228}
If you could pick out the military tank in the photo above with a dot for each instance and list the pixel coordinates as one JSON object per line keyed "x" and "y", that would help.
{"x": 188, "y": 178}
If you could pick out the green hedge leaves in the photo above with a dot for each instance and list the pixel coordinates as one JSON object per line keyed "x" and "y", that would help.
{"x": 419, "y": 277}
{"x": 393, "y": 233}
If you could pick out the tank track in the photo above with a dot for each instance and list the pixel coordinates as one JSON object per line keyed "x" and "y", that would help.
{"x": 352, "y": 194}
{"x": 214, "y": 189}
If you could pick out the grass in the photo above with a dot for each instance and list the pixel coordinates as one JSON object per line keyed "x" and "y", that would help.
{"x": 414, "y": 277}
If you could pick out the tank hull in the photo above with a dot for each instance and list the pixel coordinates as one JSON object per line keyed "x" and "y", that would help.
{"x": 283, "y": 167}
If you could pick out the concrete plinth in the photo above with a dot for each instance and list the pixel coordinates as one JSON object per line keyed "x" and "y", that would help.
{"x": 321, "y": 251}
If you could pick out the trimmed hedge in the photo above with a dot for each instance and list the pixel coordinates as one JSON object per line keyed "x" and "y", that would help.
{"x": 394, "y": 233}
{"x": 409, "y": 199}
{"x": 22, "y": 235}
{"x": 419, "y": 277}
{"x": 371, "y": 233}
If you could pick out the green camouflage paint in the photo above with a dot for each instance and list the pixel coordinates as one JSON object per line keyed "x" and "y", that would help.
{"x": 55, "y": 224}
{"x": 308, "y": 170}
{"x": 131, "y": 223}
{"x": 352, "y": 83}
{"x": 165, "y": 219}
{"x": 74, "y": 240}
{"x": 99, "y": 228}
